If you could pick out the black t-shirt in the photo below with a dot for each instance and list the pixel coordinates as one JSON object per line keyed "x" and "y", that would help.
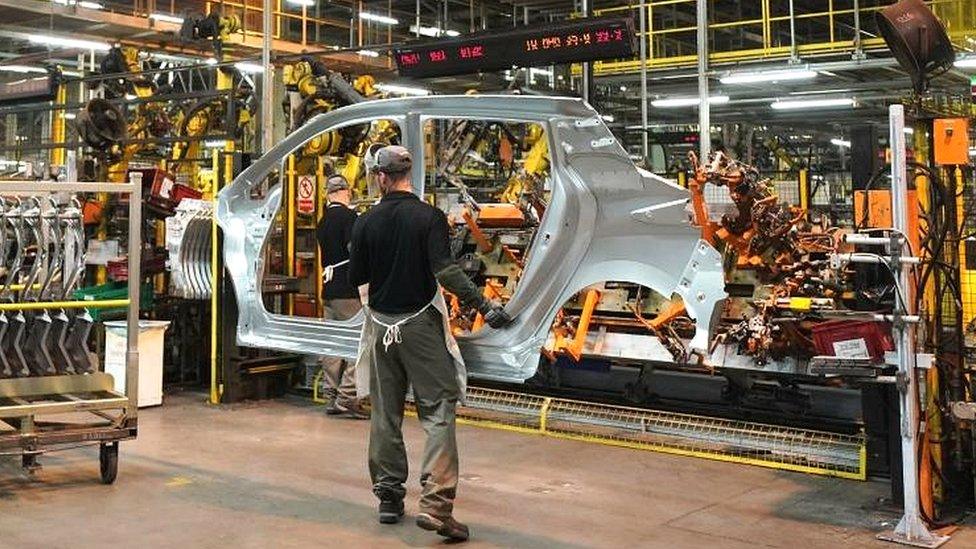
{"x": 397, "y": 246}
{"x": 333, "y": 234}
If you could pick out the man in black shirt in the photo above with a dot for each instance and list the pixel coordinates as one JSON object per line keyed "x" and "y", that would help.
{"x": 400, "y": 248}
{"x": 341, "y": 298}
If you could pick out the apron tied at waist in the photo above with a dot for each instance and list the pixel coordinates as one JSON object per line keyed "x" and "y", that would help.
{"x": 392, "y": 335}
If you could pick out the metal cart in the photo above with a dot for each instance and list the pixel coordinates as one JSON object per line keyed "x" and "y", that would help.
{"x": 40, "y": 414}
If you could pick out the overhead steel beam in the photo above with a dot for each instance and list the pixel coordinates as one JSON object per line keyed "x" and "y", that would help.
{"x": 142, "y": 29}
{"x": 102, "y": 16}
{"x": 143, "y": 32}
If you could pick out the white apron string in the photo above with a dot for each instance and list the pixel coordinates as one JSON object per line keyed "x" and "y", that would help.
{"x": 392, "y": 335}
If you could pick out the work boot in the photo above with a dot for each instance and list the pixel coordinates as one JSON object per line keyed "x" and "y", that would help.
{"x": 391, "y": 511}
{"x": 444, "y": 526}
{"x": 351, "y": 409}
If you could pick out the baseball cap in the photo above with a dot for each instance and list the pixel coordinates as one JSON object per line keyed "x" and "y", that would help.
{"x": 393, "y": 159}
{"x": 336, "y": 183}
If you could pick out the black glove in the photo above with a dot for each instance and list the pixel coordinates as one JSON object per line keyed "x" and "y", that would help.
{"x": 494, "y": 314}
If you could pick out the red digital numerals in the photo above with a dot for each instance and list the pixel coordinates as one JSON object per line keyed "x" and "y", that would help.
{"x": 471, "y": 52}
{"x": 437, "y": 55}
{"x": 602, "y": 36}
{"x": 409, "y": 59}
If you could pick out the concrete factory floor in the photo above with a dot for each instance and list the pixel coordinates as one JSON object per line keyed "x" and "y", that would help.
{"x": 282, "y": 474}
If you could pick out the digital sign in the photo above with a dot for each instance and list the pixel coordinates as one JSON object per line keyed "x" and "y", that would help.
{"x": 29, "y": 90}
{"x": 572, "y": 41}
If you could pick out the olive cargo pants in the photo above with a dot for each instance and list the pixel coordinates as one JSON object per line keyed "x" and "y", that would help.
{"x": 420, "y": 359}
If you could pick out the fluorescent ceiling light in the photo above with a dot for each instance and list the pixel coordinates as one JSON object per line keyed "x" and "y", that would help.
{"x": 87, "y": 4}
{"x": 811, "y": 104}
{"x": 67, "y": 42}
{"x": 840, "y": 142}
{"x": 68, "y": 115}
{"x": 251, "y": 68}
{"x": 688, "y": 101}
{"x": 214, "y": 143}
{"x": 607, "y": 117}
{"x": 130, "y": 97}
{"x": 767, "y": 76}
{"x": 910, "y": 131}
{"x": 403, "y": 90}
{"x": 433, "y": 31}
{"x": 966, "y": 63}
{"x": 306, "y": 3}
{"x": 167, "y": 18}
{"x": 22, "y": 69}
{"x": 378, "y": 18}
{"x": 168, "y": 57}
{"x": 210, "y": 61}
{"x": 368, "y": 53}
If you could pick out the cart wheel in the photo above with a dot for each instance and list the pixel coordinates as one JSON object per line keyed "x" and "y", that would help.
{"x": 108, "y": 459}
{"x": 30, "y": 464}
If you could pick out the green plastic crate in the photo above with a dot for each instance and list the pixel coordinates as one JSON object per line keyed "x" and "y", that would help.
{"x": 113, "y": 290}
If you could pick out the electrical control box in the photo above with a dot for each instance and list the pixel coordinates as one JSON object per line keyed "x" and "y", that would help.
{"x": 950, "y": 137}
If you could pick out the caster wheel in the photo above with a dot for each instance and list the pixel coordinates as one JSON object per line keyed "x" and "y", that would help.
{"x": 108, "y": 460}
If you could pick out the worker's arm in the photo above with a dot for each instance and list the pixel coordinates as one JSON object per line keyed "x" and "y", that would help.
{"x": 358, "y": 256}
{"x": 451, "y": 277}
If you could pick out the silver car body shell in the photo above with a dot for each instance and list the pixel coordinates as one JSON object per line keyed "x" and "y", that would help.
{"x": 606, "y": 220}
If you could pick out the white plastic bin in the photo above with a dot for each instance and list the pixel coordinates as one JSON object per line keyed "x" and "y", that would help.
{"x": 151, "y": 336}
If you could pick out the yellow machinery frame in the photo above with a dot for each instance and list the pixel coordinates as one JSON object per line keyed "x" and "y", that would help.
{"x": 960, "y": 23}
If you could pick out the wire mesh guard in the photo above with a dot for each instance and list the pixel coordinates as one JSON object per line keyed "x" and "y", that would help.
{"x": 758, "y": 444}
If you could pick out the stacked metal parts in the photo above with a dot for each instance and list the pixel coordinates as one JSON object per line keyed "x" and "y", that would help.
{"x": 42, "y": 258}
{"x": 188, "y": 241}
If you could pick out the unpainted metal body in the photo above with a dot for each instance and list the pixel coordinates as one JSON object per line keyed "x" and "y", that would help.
{"x": 606, "y": 220}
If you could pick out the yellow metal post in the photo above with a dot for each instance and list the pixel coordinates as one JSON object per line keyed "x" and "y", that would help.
{"x": 804, "y": 188}
{"x": 225, "y": 81}
{"x": 290, "y": 232}
{"x": 214, "y": 302}
{"x": 319, "y": 212}
{"x": 58, "y": 127}
{"x": 967, "y": 281}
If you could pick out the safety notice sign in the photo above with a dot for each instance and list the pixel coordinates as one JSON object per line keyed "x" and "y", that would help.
{"x": 306, "y": 194}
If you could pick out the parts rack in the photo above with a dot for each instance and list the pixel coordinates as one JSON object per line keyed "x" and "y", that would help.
{"x": 40, "y": 414}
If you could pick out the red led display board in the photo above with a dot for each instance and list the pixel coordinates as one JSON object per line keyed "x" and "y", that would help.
{"x": 572, "y": 41}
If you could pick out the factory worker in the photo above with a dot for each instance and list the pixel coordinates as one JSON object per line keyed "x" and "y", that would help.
{"x": 400, "y": 249}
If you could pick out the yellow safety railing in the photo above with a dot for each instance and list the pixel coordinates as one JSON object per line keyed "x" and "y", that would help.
{"x": 250, "y": 14}
{"x": 81, "y": 304}
{"x": 776, "y": 447}
{"x": 671, "y": 32}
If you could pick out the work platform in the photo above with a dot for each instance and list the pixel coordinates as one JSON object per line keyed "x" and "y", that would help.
{"x": 282, "y": 474}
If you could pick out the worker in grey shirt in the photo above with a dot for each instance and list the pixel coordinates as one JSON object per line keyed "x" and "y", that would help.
{"x": 341, "y": 299}
{"x": 400, "y": 248}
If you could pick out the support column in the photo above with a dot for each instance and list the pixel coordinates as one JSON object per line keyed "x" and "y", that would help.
{"x": 587, "y": 83}
{"x": 267, "y": 83}
{"x": 911, "y": 530}
{"x": 704, "y": 108}
{"x": 642, "y": 13}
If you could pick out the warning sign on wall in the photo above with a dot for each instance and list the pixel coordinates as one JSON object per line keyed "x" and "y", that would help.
{"x": 306, "y": 194}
